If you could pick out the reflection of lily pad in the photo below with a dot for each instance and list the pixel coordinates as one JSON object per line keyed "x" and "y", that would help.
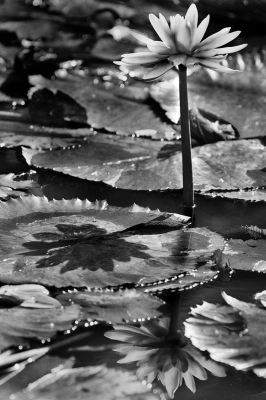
{"x": 18, "y": 325}
{"x": 88, "y": 383}
{"x": 233, "y": 334}
{"x": 78, "y": 243}
{"x": 221, "y": 165}
{"x": 113, "y": 307}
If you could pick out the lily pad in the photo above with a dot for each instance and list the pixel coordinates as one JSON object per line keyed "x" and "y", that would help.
{"x": 17, "y": 133}
{"x": 88, "y": 383}
{"x": 141, "y": 164}
{"x": 233, "y": 334}
{"x": 249, "y": 255}
{"x": 105, "y": 108}
{"x": 114, "y": 307}
{"x": 242, "y": 195}
{"x": 11, "y": 186}
{"x": 78, "y": 243}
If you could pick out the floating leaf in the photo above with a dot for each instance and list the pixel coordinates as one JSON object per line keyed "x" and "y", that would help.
{"x": 141, "y": 164}
{"x": 255, "y": 232}
{"x": 11, "y": 186}
{"x": 244, "y": 109}
{"x": 106, "y": 109}
{"x": 242, "y": 195}
{"x": 114, "y": 307}
{"x": 17, "y": 133}
{"x": 249, "y": 255}
{"x": 207, "y": 127}
{"x": 184, "y": 281}
{"x": 166, "y": 93}
{"x": 78, "y": 243}
{"x": 31, "y": 296}
{"x": 85, "y": 383}
{"x": 233, "y": 334}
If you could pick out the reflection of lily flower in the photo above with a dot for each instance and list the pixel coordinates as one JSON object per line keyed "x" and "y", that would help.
{"x": 181, "y": 43}
{"x": 160, "y": 355}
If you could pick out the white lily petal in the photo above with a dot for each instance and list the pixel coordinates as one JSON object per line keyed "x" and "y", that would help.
{"x": 183, "y": 37}
{"x": 192, "y": 17}
{"x": 200, "y": 32}
{"x": 174, "y": 24}
{"x": 196, "y": 369}
{"x": 206, "y": 53}
{"x": 191, "y": 61}
{"x": 233, "y": 49}
{"x": 213, "y": 37}
{"x": 142, "y": 58}
{"x": 172, "y": 380}
{"x": 217, "y": 67}
{"x": 178, "y": 59}
{"x": 161, "y": 32}
{"x": 141, "y": 38}
{"x": 137, "y": 355}
{"x": 189, "y": 381}
{"x": 221, "y": 41}
{"x": 157, "y": 71}
{"x": 160, "y": 48}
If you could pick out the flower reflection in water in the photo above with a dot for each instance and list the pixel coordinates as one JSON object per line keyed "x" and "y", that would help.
{"x": 160, "y": 354}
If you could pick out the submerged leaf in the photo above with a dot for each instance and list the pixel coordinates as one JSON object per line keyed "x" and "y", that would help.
{"x": 78, "y": 243}
{"x": 249, "y": 255}
{"x": 88, "y": 383}
{"x": 12, "y": 186}
{"x": 233, "y": 334}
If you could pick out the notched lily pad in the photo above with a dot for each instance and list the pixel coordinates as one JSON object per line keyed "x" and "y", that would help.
{"x": 105, "y": 108}
{"x": 78, "y": 243}
{"x": 114, "y": 307}
{"x": 233, "y": 334}
{"x": 249, "y": 255}
{"x": 218, "y": 166}
{"x": 207, "y": 127}
{"x": 88, "y": 383}
{"x": 12, "y": 186}
{"x": 17, "y": 133}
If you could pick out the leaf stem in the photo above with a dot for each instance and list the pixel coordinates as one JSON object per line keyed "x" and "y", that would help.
{"x": 188, "y": 192}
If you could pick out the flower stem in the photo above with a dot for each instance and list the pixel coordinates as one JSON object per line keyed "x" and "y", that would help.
{"x": 188, "y": 193}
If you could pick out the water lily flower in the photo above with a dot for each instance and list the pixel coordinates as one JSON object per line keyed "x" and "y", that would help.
{"x": 170, "y": 359}
{"x": 181, "y": 44}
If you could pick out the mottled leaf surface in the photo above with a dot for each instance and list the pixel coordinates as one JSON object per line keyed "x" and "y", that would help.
{"x": 141, "y": 164}
{"x": 78, "y": 243}
{"x": 113, "y": 307}
{"x": 106, "y": 108}
{"x": 248, "y": 195}
{"x": 17, "y": 133}
{"x": 247, "y": 255}
{"x": 88, "y": 383}
{"x": 11, "y": 186}
{"x": 233, "y": 334}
